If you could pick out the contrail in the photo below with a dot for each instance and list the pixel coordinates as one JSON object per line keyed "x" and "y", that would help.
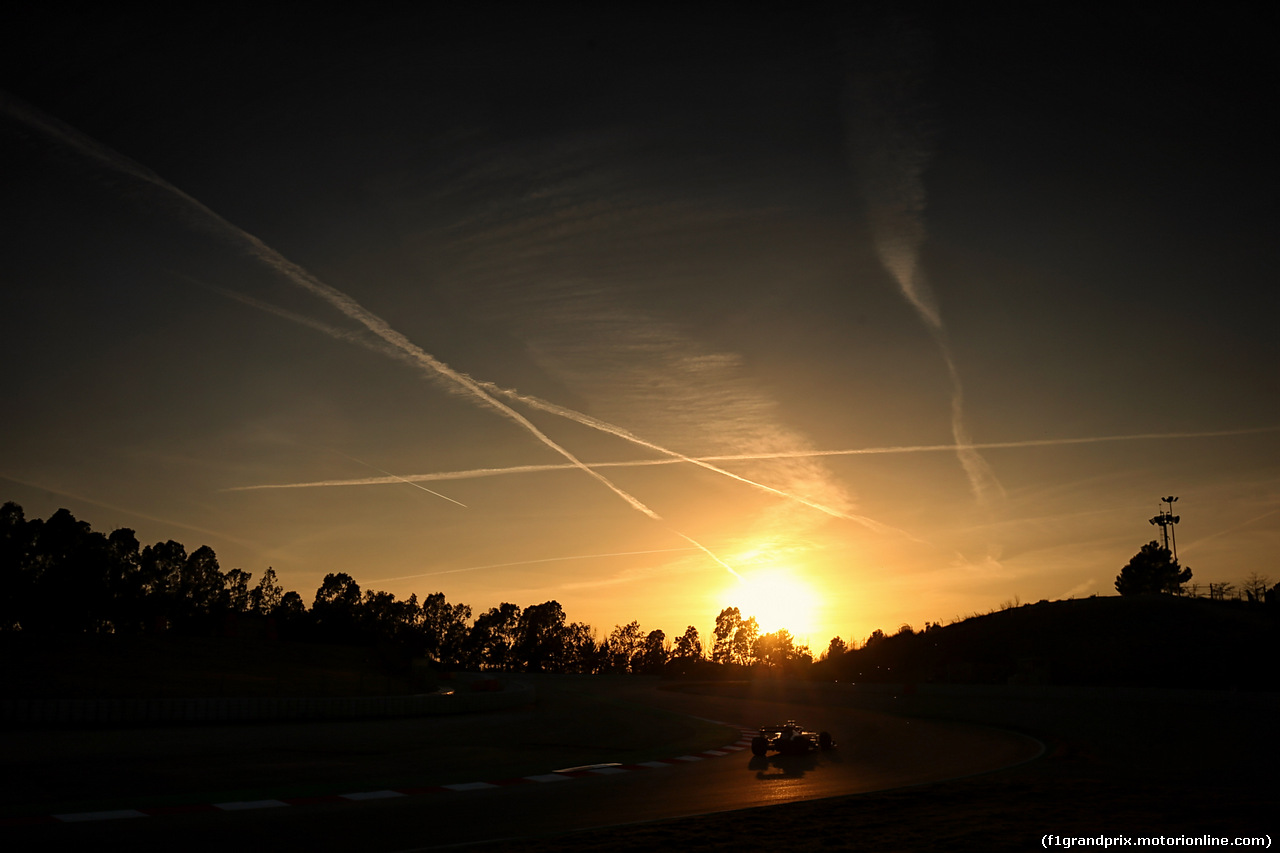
{"x": 346, "y": 335}
{"x": 676, "y": 456}
{"x": 890, "y": 138}
{"x": 475, "y": 473}
{"x": 485, "y": 392}
{"x": 403, "y": 480}
{"x": 555, "y": 409}
{"x": 704, "y": 549}
{"x": 532, "y": 562}
{"x": 206, "y": 219}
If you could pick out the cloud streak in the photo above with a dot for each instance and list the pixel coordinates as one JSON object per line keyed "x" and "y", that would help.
{"x": 487, "y": 394}
{"x": 207, "y": 220}
{"x": 400, "y": 479}
{"x": 890, "y": 138}
{"x": 728, "y": 568}
{"x": 477, "y": 473}
{"x": 674, "y": 456}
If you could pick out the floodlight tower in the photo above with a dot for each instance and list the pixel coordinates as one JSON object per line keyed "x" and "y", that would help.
{"x": 1167, "y": 520}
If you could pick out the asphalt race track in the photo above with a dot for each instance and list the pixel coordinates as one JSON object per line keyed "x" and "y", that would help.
{"x": 876, "y": 752}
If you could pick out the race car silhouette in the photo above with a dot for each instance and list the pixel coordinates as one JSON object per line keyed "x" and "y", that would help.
{"x": 790, "y": 738}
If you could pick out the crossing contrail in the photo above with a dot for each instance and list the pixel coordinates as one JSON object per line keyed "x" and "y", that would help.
{"x": 476, "y": 473}
{"x": 202, "y": 217}
{"x": 400, "y": 479}
{"x": 560, "y": 411}
{"x": 675, "y": 456}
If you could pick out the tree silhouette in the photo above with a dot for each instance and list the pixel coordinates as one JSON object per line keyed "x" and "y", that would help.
{"x": 541, "y": 637}
{"x": 625, "y": 643}
{"x": 493, "y": 637}
{"x": 202, "y": 583}
{"x": 336, "y": 609}
{"x": 779, "y": 649}
{"x": 654, "y": 653}
{"x": 384, "y": 617}
{"x": 292, "y": 610}
{"x": 735, "y": 637}
{"x": 15, "y": 581}
{"x": 726, "y": 626}
{"x": 444, "y": 628}
{"x": 60, "y": 575}
{"x": 236, "y": 596}
{"x": 70, "y": 574}
{"x": 744, "y": 641}
{"x": 582, "y": 652}
{"x": 1255, "y": 586}
{"x": 1153, "y": 569}
{"x": 266, "y": 596}
{"x": 688, "y": 645}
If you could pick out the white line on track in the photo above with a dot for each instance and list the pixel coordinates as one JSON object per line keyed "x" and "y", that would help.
{"x": 372, "y": 795}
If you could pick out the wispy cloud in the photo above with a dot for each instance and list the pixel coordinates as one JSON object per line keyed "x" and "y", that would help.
{"x": 200, "y": 216}
{"x": 891, "y": 143}
{"x": 203, "y": 218}
{"x": 701, "y": 462}
{"x": 533, "y": 402}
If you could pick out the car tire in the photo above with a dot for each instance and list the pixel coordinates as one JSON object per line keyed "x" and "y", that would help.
{"x": 759, "y": 746}
{"x": 825, "y": 742}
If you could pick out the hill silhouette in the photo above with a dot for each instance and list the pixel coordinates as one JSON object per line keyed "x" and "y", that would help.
{"x": 1140, "y": 641}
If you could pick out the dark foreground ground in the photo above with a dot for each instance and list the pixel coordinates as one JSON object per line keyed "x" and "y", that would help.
{"x": 1007, "y": 811}
{"x": 1119, "y": 762}
{"x": 1138, "y": 764}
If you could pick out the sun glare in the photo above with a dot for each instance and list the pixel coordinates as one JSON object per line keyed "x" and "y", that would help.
{"x": 778, "y": 598}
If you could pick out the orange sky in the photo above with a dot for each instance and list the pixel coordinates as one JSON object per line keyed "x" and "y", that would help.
{"x": 941, "y": 311}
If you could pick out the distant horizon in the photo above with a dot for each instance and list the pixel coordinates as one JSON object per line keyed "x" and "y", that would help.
{"x": 1235, "y": 590}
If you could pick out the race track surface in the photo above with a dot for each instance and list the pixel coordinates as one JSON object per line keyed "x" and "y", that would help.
{"x": 876, "y": 752}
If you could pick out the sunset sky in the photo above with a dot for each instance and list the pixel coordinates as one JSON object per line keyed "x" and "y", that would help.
{"x": 850, "y": 322}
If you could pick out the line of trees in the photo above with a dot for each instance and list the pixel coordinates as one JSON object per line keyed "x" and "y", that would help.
{"x": 1154, "y": 569}
{"x": 738, "y": 641}
{"x": 59, "y": 576}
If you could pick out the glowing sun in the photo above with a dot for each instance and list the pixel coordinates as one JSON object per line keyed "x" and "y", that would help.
{"x": 777, "y": 598}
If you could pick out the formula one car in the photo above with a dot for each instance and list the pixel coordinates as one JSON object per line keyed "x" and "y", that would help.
{"x": 790, "y": 738}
